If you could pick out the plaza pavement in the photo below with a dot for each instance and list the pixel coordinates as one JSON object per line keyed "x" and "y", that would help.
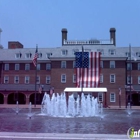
{"x": 58, "y": 136}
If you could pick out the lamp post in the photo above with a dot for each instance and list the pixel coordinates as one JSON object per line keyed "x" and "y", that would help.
{"x": 42, "y": 86}
{"x": 119, "y": 97}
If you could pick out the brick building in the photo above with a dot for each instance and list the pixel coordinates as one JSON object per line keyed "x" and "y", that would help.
{"x": 119, "y": 72}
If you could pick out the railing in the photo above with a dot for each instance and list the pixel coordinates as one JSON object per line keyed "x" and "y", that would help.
{"x": 87, "y": 42}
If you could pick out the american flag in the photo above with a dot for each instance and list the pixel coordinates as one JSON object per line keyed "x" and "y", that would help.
{"x": 35, "y": 57}
{"x": 87, "y": 69}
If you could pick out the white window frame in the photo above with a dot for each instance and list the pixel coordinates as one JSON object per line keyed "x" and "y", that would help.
{"x": 16, "y": 79}
{"x": 101, "y": 64}
{"x": 28, "y": 55}
{"x": 38, "y": 79}
{"x": 74, "y": 78}
{"x": 64, "y": 52}
{"x": 63, "y": 64}
{"x": 38, "y": 66}
{"x": 63, "y": 78}
{"x": 112, "y": 64}
{"x": 138, "y": 66}
{"x": 138, "y": 54}
{"x": 48, "y": 79}
{"x": 48, "y": 66}
{"x": 48, "y": 55}
{"x": 17, "y": 67}
{"x": 128, "y": 79}
{"x": 112, "y": 97}
{"x": 101, "y": 78}
{"x": 101, "y": 51}
{"x": 6, "y": 79}
{"x": 129, "y": 66}
{"x": 6, "y": 67}
{"x": 17, "y": 55}
{"x": 112, "y": 52}
{"x": 27, "y": 66}
{"x": 39, "y": 55}
{"x": 100, "y": 97}
{"x": 138, "y": 79}
{"x": 112, "y": 78}
{"x": 27, "y": 79}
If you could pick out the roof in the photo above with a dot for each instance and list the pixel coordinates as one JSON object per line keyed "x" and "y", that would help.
{"x": 9, "y": 54}
{"x": 85, "y": 89}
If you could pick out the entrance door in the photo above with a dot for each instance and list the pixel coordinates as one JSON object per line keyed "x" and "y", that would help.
{"x": 136, "y": 99}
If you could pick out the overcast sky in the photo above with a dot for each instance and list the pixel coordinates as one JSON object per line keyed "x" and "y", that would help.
{"x": 40, "y": 22}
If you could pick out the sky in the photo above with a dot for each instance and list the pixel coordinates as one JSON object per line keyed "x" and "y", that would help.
{"x": 40, "y": 22}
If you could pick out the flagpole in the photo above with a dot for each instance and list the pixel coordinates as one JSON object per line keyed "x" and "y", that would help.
{"x": 35, "y": 78}
{"x": 130, "y": 73}
{"x": 82, "y": 69}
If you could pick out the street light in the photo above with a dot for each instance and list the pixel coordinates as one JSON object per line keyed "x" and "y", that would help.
{"x": 119, "y": 97}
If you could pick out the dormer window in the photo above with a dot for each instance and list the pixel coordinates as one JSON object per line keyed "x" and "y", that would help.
{"x": 39, "y": 55}
{"x": 127, "y": 54}
{"x": 112, "y": 52}
{"x": 18, "y": 55}
{"x": 28, "y": 55}
{"x": 64, "y": 52}
{"x": 48, "y": 55}
{"x": 75, "y": 50}
{"x": 138, "y": 54}
{"x": 101, "y": 51}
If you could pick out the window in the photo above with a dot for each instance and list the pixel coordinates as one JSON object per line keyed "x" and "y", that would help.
{"x": 100, "y": 97}
{"x": 16, "y": 66}
{"x": 63, "y": 78}
{"x": 129, "y": 79}
{"x": 127, "y": 54}
{"x": 138, "y": 79}
{"x": 75, "y": 50}
{"x": 28, "y": 55}
{"x": 101, "y": 64}
{"x": 6, "y": 79}
{"x": 38, "y": 79}
{"x": 18, "y": 55}
{"x": 27, "y": 79}
{"x": 38, "y": 66}
{"x": 48, "y": 79}
{"x": 101, "y": 51}
{"x": 27, "y": 66}
{"x": 112, "y": 97}
{"x": 74, "y": 78}
{"x": 39, "y": 55}
{"x": 6, "y": 67}
{"x": 74, "y": 64}
{"x": 129, "y": 66}
{"x": 48, "y": 55}
{"x": 101, "y": 78}
{"x": 63, "y": 64}
{"x": 112, "y": 52}
{"x": 112, "y": 78}
{"x": 138, "y": 54}
{"x": 48, "y": 66}
{"x": 16, "y": 79}
{"x": 112, "y": 64}
{"x": 138, "y": 66}
{"x": 64, "y": 52}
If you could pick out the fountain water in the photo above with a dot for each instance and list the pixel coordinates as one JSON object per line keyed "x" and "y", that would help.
{"x": 17, "y": 109}
{"x": 30, "y": 110}
{"x": 57, "y": 106}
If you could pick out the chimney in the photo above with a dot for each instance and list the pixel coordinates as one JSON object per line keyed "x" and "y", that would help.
{"x": 113, "y": 36}
{"x": 64, "y": 35}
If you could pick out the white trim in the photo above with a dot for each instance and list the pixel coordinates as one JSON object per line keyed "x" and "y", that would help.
{"x": 85, "y": 90}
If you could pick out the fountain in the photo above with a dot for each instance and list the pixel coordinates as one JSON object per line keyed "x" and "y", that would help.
{"x": 17, "y": 109}
{"x": 129, "y": 110}
{"x": 30, "y": 110}
{"x": 57, "y": 106}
